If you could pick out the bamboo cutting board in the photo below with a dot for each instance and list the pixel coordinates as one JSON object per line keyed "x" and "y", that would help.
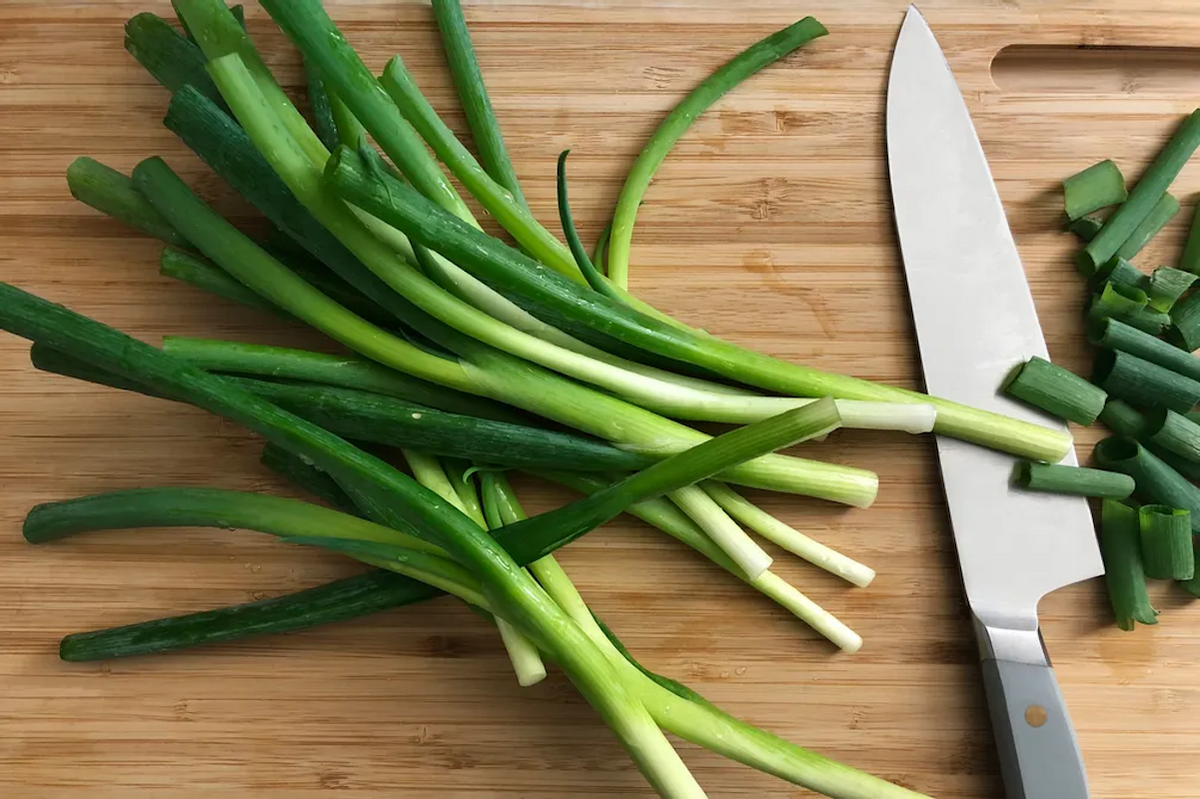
{"x": 770, "y": 224}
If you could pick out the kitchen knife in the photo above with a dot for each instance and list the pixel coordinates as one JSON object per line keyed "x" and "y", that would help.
{"x": 975, "y": 322}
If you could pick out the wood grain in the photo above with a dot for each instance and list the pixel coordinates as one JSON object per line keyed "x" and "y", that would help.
{"x": 770, "y": 224}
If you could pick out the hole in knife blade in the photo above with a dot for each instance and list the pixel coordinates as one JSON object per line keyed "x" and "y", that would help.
{"x": 1097, "y": 69}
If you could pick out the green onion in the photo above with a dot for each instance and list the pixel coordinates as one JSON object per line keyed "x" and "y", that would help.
{"x": 1141, "y": 382}
{"x": 110, "y": 192}
{"x": 48, "y": 359}
{"x": 1112, "y": 334}
{"x": 1192, "y": 586}
{"x": 1121, "y": 549}
{"x": 171, "y": 58}
{"x": 1186, "y": 468}
{"x": 1056, "y": 391}
{"x": 1119, "y": 300}
{"x": 1146, "y": 320}
{"x": 1156, "y": 481}
{"x": 1174, "y": 433}
{"x": 1185, "y": 322}
{"x": 472, "y": 93}
{"x": 1166, "y": 285}
{"x": 723, "y": 530}
{"x": 321, "y": 107}
{"x": 1145, "y": 195}
{"x": 1086, "y": 227}
{"x": 751, "y": 60}
{"x": 599, "y": 257}
{"x": 1123, "y": 419}
{"x": 1059, "y": 479}
{"x": 308, "y": 478}
{"x": 1163, "y": 212}
{"x": 590, "y": 273}
{"x": 511, "y": 271}
{"x": 1190, "y": 259}
{"x": 786, "y": 536}
{"x": 347, "y": 371}
{"x": 1098, "y": 186}
{"x": 1166, "y": 535}
{"x": 1119, "y": 272}
{"x": 196, "y": 271}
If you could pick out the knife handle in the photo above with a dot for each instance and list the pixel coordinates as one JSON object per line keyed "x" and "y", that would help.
{"x": 1039, "y": 755}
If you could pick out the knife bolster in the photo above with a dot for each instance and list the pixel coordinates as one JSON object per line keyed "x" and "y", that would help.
{"x": 1016, "y": 640}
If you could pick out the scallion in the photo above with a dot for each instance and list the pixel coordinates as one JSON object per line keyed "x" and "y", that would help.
{"x": 1059, "y": 479}
{"x": 1160, "y": 214}
{"x": 1156, "y": 481}
{"x": 1123, "y": 574}
{"x": 1113, "y": 334}
{"x": 1166, "y": 285}
{"x": 1056, "y": 391}
{"x": 1141, "y": 382}
{"x": 1166, "y": 536}
{"x": 1098, "y": 186}
{"x": 1174, "y": 433}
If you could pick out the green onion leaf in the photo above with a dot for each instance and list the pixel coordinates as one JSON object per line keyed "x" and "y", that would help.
{"x": 1121, "y": 549}
{"x": 1166, "y": 285}
{"x": 1058, "y": 479}
{"x": 1098, "y": 186}
{"x": 1113, "y": 334}
{"x": 1156, "y": 481}
{"x": 1166, "y": 535}
{"x": 1163, "y": 212}
{"x": 1141, "y": 382}
{"x": 1056, "y": 391}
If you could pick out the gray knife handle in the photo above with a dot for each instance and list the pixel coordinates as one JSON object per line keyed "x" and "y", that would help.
{"x": 1039, "y": 755}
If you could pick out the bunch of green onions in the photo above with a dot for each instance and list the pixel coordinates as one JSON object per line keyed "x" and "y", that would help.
{"x": 471, "y": 357}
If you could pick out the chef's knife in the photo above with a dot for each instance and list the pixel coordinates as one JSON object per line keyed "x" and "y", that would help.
{"x": 975, "y": 322}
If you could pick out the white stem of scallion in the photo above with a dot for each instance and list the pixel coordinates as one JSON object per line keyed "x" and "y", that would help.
{"x": 786, "y": 536}
{"x": 724, "y": 531}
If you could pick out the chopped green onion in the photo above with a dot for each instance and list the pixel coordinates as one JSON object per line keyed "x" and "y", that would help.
{"x": 1166, "y": 285}
{"x": 1174, "y": 433}
{"x": 1185, "y": 322}
{"x": 1113, "y": 334}
{"x": 472, "y": 93}
{"x": 1144, "y": 196}
{"x": 1119, "y": 272}
{"x": 751, "y": 60}
{"x": 1123, "y": 574}
{"x": 1166, "y": 535}
{"x": 1145, "y": 319}
{"x": 110, "y": 192}
{"x": 1163, "y": 212}
{"x": 1190, "y": 259}
{"x": 1123, "y": 419}
{"x": 1117, "y": 299}
{"x": 1098, "y": 186}
{"x": 1141, "y": 382}
{"x": 1086, "y": 227}
{"x": 206, "y": 276}
{"x": 787, "y": 537}
{"x": 1058, "y": 479}
{"x": 1156, "y": 481}
{"x": 1192, "y": 586}
{"x": 1056, "y": 391}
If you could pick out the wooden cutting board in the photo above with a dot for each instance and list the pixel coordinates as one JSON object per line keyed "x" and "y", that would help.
{"x": 770, "y": 225}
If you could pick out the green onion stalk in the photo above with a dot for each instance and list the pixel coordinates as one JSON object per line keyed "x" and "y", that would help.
{"x": 492, "y": 373}
{"x": 316, "y": 35}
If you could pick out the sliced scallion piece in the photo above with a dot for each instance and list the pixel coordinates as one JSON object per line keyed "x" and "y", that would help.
{"x": 1059, "y": 479}
{"x": 1098, "y": 186}
{"x": 1119, "y": 272}
{"x": 1086, "y": 227}
{"x": 1120, "y": 546}
{"x": 1113, "y": 334}
{"x": 1160, "y": 214}
{"x": 1185, "y": 322}
{"x": 1144, "y": 196}
{"x": 1174, "y": 433}
{"x": 1166, "y": 285}
{"x": 1190, "y": 259}
{"x": 1056, "y": 391}
{"x": 1123, "y": 419}
{"x": 1146, "y": 320}
{"x": 1118, "y": 299}
{"x": 1143, "y": 383}
{"x": 1166, "y": 536}
{"x": 1156, "y": 481}
{"x": 1192, "y": 586}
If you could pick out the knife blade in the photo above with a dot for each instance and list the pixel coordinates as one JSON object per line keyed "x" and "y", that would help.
{"x": 975, "y": 321}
